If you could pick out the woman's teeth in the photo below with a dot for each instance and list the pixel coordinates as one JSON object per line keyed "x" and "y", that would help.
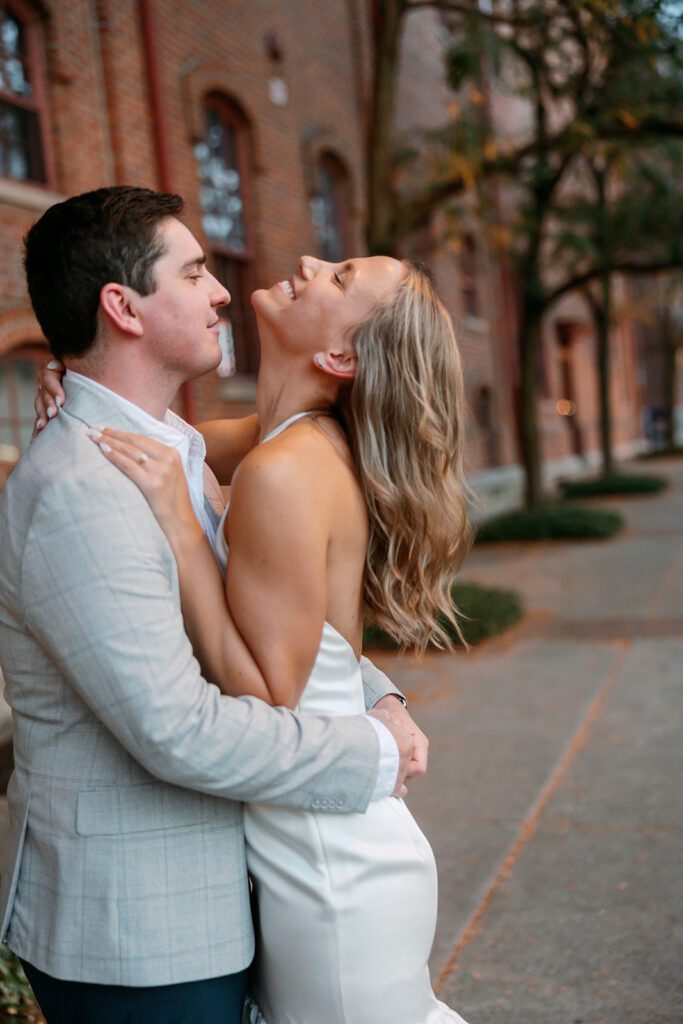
{"x": 286, "y": 286}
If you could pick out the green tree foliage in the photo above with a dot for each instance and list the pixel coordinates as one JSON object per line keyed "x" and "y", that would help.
{"x": 591, "y": 74}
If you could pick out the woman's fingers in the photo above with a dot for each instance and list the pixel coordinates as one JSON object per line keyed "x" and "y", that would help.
{"x": 107, "y": 443}
{"x": 125, "y": 458}
{"x": 50, "y": 395}
{"x": 154, "y": 449}
{"x": 157, "y": 470}
{"x": 154, "y": 467}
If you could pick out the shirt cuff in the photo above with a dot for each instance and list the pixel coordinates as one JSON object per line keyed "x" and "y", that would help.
{"x": 388, "y": 761}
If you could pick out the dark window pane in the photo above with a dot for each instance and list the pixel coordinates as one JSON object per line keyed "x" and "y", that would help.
{"x": 234, "y": 275}
{"x": 328, "y": 210}
{"x": 17, "y": 391}
{"x": 468, "y": 276}
{"x": 14, "y": 67}
{"x": 20, "y": 150}
{"x": 221, "y": 196}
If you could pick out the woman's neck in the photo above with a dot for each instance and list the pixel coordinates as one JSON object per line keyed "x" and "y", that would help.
{"x": 283, "y": 392}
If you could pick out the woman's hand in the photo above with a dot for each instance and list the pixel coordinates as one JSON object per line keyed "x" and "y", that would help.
{"x": 50, "y": 396}
{"x": 157, "y": 470}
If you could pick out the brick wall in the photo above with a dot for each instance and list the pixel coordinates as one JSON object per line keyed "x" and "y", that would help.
{"x": 103, "y": 127}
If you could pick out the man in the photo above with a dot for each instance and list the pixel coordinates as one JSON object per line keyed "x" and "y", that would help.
{"x": 124, "y": 890}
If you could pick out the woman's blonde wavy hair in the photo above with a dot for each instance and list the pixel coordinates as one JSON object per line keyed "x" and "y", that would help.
{"x": 404, "y": 415}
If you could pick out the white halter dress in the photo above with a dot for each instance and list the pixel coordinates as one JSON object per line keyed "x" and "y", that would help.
{"x": 347, "y": 902}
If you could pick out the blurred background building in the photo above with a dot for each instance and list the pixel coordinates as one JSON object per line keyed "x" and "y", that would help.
{"x": 257, "y": 113}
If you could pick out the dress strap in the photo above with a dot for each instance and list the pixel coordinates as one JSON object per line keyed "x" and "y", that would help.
{"x": 288, "y": 422}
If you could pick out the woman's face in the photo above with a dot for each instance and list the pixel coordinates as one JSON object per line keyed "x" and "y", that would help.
{"x": 318, "y": 308}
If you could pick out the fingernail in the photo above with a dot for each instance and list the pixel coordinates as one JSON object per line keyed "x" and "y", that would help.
{"x": 51, "y": 411}
{"x": 59, "y": 401}
{"x": 95, "y": 435}
{"x": 54, "y": 364}
{"x": 39, "y": 424}
{"x": 105, "y": 447}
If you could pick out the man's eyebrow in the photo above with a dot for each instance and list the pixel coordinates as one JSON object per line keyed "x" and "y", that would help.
{"x": 198, "y": 261}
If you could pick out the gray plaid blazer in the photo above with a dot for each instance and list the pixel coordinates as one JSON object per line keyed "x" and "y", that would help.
{"x": 125, "y": 863}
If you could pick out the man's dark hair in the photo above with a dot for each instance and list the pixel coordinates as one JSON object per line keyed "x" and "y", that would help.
{"x": 80, "y": 245}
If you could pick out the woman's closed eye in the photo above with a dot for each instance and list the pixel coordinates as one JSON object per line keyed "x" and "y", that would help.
{"x": 338, "y": 280}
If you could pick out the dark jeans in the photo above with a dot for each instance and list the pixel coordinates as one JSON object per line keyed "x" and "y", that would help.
{"x": 214, "y": 1001}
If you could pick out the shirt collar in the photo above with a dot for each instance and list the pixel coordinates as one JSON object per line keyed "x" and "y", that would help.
{"x": 171, "y": 430}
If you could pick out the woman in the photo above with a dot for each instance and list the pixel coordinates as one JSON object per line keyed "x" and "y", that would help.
{"x": 352, "y": 502}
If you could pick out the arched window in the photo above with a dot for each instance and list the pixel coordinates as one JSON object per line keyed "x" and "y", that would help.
{"x": 18, "y": 374}
{"x": 223, "y": 162}
{"x": 469, "y": 285}
{"x": 24, "y": 144}
{"x": 330, "y": 209}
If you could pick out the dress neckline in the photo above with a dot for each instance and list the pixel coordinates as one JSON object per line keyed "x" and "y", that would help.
{"x": 288, "y": 422}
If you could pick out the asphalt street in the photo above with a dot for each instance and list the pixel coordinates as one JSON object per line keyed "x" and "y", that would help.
{"x": 553, "y": 800}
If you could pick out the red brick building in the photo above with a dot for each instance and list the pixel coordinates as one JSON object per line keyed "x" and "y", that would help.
{"x": 256, "y": 114}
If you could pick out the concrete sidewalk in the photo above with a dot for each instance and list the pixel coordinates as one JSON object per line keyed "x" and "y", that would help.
{"x": 553, "y": 800}
{"x": 554, "y": 797}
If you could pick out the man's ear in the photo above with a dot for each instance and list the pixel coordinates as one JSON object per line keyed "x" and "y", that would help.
{"x": 341, "y": 365}
{"x": 118, "y": 304}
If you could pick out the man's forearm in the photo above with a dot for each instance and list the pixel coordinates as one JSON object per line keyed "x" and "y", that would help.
{"x": 375, "y": 684}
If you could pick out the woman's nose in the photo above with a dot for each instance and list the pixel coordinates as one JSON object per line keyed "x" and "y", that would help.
{"x": 310, "y": 265}
{"x": 307, "y": 267}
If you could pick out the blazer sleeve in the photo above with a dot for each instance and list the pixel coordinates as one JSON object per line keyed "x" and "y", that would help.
{"x": 99, "y": 592}
{"x": 375, "y": 683}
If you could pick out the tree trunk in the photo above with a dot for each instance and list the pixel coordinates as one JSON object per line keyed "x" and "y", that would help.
{"x": 602, "y": 317}
{"x": 529, "y": 342}
{"x": 381, "y": 206}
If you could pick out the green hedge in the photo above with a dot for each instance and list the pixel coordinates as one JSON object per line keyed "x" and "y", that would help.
{"x": 550, "y": 522}
{"x": 487, "y": 611}
{"x": 16, "y": 997}
{"x": 617, "y": 483}
{"x": 658, "y": 453}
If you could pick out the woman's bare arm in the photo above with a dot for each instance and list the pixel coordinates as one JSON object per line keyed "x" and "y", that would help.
{"x": 278, "y": 531}
{"x": 263, "y": 638}
{"x": 227, "y": 443}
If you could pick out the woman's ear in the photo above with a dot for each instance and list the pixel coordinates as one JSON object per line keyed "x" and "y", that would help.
{"x": 341, "y": 365}
{"x": 118, "y": 304}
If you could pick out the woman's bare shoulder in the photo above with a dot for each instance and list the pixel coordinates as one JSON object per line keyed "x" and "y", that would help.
{"x": 305, "y": 451}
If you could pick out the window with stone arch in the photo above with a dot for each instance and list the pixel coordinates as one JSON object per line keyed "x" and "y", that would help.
{"x": 330, "y": 208}
{"x": 469, "y": 276}
{"x": 18, "y": 378}
{"x": 25, "y": 145}
{"x": 223, "y": 158}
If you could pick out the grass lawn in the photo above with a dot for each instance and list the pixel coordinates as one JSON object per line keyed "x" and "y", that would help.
{"x": 487, "y": 611}
{"x": 550, "y": 522}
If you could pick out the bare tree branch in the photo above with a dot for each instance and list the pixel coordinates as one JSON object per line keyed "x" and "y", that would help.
{"x": 579, "y": 281}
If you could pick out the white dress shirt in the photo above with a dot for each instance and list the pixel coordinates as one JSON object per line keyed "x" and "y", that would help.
{"x": 176, "y": 433}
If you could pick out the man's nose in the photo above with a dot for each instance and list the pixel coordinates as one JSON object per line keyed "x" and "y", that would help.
{"x": 220, "y": 296}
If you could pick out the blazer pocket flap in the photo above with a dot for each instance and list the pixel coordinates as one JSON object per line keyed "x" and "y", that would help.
{"x": 146, "y": 808}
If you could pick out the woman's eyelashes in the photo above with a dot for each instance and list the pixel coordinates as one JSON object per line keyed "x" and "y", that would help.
{"x": 338, "y": 280}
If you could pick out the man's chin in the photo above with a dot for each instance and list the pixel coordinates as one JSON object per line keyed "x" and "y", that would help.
{"x": 206, "y": 366}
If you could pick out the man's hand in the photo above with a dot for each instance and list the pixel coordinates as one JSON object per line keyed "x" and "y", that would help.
{"x": 420, "y": 756}
{"x": 401, "y": 726}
